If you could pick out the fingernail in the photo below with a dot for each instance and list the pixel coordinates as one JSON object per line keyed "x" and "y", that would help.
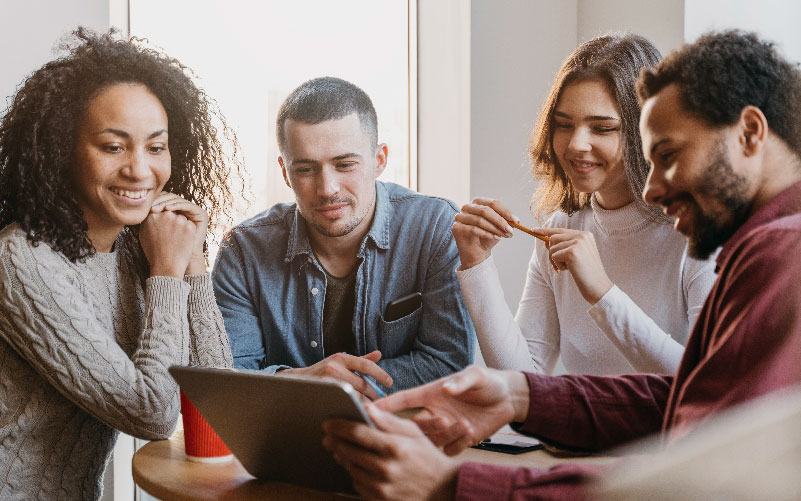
{"x": 515, "y": 218}
{"x": 508, "y": 229}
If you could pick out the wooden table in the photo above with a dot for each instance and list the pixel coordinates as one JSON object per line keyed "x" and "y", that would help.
{"x": 161, "y": 469}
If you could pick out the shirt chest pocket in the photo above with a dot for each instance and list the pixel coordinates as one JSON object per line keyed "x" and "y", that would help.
{"x": 397, "y": 337}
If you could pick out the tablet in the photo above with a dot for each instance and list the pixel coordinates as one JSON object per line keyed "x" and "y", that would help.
{"x": 273, "y": 424}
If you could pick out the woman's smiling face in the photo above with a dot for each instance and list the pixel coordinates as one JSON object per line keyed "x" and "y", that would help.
{"x": 587, "y": 140}
{"x": 122, "y": 159}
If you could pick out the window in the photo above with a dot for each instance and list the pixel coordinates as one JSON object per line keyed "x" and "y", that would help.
{"x": 249, "y": 55}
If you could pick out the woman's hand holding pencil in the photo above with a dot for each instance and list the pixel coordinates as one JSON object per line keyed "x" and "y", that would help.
{"x": 480, "y": 225}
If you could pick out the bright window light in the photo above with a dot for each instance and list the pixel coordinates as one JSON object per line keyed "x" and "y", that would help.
{"x": 249, "y": 55}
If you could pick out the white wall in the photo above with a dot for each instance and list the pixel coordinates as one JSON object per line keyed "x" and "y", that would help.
{"x": 660, "y": 21}
{"x": 776, "y": 20}
{"x": 30, "y": 29}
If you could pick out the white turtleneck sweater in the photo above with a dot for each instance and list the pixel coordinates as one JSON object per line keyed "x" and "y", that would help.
{"x": 640, "y": 325}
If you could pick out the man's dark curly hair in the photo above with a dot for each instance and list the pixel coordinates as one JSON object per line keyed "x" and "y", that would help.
{"x": 722, "y": 73}
{"x": 39, "y": 130}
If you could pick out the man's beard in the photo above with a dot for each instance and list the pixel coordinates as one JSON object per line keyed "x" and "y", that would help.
{"x": 349, "y": 226}
{"x": 718, "y": 181}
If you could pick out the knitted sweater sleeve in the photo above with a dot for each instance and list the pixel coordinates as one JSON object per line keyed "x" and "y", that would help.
{"x": 209, "y": 345}
{"x": 529, "y": 341}
{"x": 45, "y": 319}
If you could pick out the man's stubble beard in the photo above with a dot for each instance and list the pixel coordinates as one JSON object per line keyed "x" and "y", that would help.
{"x": 719, "y": 181}
{"x": 350, "y": 226}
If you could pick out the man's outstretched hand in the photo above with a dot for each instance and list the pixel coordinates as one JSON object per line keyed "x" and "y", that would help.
{"x": 465, "y": 408}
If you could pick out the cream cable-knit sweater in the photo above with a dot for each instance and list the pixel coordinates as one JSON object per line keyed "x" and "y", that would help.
{"x": 84, "y": 351}
{"x": 640, "y": 325}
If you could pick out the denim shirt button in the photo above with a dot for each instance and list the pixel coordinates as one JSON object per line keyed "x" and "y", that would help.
{"x": 313, "y": 344}
{"x": 314, "y": 291}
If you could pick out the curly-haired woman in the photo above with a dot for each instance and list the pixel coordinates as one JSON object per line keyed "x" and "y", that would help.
{"x": 615, "y": 291}
{"x": 109, "y": 164}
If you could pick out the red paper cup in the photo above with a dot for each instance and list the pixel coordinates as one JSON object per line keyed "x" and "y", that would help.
{"x": 201, "y": 442}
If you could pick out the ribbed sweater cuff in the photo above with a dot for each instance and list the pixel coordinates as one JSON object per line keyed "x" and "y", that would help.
{"x": 201, "y": 293}
{"x": 167, "y": 293}
{"x": 606, "y": 302}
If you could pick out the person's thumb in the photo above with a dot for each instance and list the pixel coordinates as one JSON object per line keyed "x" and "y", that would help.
{"x": 388, "y": 422}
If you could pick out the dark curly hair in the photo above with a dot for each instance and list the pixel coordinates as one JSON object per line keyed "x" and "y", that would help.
{"x": 723, "y": 72}
{"x": 40, "y": 127}
{"x": 616, "y": 60}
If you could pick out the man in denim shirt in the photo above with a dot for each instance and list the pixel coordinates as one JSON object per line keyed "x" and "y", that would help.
{"x": 303, "y": 288}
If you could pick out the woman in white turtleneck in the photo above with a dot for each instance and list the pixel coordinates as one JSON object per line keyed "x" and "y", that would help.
{"x": 615, "y": 291}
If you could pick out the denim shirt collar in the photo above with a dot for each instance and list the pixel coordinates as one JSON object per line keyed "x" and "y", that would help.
{"x": 298, "y": 243}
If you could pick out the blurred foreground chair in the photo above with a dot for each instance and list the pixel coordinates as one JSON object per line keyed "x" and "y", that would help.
{"x": 750, "y": 452}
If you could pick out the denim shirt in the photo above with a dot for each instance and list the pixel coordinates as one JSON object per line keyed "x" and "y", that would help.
{"x": 271, "y": 290}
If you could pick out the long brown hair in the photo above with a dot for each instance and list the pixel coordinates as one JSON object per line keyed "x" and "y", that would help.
{"x": 617, "y": 61}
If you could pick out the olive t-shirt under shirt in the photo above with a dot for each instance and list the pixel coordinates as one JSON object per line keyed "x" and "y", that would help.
{"x": 340, "y": 300}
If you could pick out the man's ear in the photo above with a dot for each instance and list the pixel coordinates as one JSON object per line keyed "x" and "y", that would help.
{"x": 753, "y": 130}
{"x": 283, "y": 171}
{"x": 380, "y": 158}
